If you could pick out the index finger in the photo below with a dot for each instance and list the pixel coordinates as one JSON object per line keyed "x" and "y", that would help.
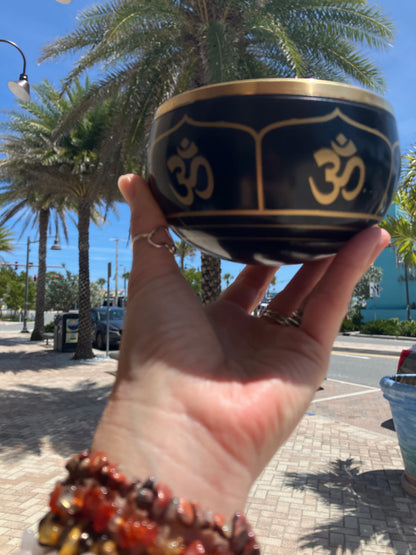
{"x": 148, "y": 229}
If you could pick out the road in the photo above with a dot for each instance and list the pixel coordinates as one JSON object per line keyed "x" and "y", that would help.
{"x": 377, "y": 340}
{"x": 363, "y": 369}
{"x": 352, "y": 367}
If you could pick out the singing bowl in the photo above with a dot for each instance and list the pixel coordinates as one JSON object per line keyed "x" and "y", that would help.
{"x": 273, "y": 171}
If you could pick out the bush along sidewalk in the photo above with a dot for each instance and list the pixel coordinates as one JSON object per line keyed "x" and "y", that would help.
{"x": 391, "y": 326}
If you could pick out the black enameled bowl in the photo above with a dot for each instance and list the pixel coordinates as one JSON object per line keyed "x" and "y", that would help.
{"x": 273, "y": 171}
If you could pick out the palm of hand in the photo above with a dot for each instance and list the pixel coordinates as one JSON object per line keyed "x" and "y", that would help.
{"x": 244, "y": 380}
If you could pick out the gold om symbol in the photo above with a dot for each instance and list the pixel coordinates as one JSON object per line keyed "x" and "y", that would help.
{"x": 332, "y": 158}
{"x": 189, "y": 180}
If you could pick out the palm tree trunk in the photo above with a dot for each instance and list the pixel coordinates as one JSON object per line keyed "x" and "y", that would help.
{"x": 406, "y": 277}
{"x": 84, "y": 346}
{"x": 210, "y": 278}
{"x": 39, "y": 327}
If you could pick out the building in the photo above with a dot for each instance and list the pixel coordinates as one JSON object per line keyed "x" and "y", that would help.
{"x": 392, "y": 302}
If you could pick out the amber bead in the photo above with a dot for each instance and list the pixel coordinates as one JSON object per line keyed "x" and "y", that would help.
{"x": 97, "y": 461}
{"x": 167, "y": 547}
{"x": 70, "y": 545}
{"x": 79, "y": 496}
{"x": 108, "y": 547}
{"x": 50, "y": 531}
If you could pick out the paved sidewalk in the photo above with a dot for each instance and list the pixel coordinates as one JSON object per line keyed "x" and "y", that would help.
{"x": 334, "y": 487}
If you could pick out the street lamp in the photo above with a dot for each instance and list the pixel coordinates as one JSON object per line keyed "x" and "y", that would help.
{"x": 64, "y": 1}
{"x": 20, "y": 88}
{"x": 55, "y": 247}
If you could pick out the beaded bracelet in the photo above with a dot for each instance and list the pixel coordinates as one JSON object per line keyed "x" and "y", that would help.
{"x": 98, "y": 510}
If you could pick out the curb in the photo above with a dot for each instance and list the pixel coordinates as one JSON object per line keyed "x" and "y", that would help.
{"x": 367, "y": 350}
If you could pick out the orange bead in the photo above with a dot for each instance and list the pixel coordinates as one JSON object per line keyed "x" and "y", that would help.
{"x": 195, "y": 548}
{"x": 103, "y": 514}
{"x": 135, "y": 532}
{"x": 54, "y": 498}
{"x": 92, "y": 500}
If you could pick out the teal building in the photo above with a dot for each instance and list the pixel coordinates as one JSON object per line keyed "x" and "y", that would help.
{"x": 398, "y": 287}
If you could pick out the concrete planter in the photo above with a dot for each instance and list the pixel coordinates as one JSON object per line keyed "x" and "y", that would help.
{"x": 402, "y": 398}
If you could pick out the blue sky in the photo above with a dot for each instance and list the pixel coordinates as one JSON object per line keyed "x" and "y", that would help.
{"x": 32, "y": 23}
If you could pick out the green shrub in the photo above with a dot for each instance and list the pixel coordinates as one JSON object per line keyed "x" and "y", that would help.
{"x": 381, "y": 327}
{"x": 356, "y": 318}
{"x": 407, "y": 328}
{"x": 49, "y": 328}
{"x": 347, "y": 325}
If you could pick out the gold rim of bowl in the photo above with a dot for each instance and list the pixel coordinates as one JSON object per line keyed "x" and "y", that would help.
{"x": 300, "y": 87}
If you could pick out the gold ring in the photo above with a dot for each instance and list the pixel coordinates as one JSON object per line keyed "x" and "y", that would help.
{"x": 149, "y": 236}
{"x": 294, "y": 320}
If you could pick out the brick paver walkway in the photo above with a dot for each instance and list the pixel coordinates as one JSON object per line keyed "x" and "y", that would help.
{"x": 334, "y": 487}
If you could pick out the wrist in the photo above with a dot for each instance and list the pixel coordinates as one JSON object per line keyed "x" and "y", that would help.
{"x": 148, "y": 432}
{"x": 97, "y": 509}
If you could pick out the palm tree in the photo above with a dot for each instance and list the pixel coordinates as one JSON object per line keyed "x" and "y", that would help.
{"x": 183, "y": 250}
{"x": 29, "y": 129}
{"x": 22, "y": 199}
{"x": 6, "y": 239}
{"x": 70, "y": 167}
{"x": 402, "y": 226}
{"x": 227, "y": 278}
{"x": 153, "y": 50}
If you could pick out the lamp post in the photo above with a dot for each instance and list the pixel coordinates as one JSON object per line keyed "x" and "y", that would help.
{"x": 20, "y": 88}
{"x": 55, "y": 247}
{"x": 64, "y": 1}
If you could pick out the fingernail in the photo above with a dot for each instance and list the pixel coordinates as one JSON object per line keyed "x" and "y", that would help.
{"x": 382, "y": 239}
{"x": 127, "y": 187}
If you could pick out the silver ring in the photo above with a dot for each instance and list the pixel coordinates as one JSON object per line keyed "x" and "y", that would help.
{"x": 294, "y": 320}
{"x": 149, "y": 236}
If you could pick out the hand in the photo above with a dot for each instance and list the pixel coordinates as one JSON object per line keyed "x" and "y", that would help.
{"x": 205, "y": 395}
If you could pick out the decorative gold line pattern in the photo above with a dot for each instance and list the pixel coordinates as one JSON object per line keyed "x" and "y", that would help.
{"x": 208, "y": 124}
{"x": 259, "y": 176}
{"x": 302, "y": 87}
{"x": 282, "y": 212}
{"x": 258, "y": 137}
{"x": 273, "y": 226}
{"x": 321, "y": 119}
{"x": 290, "y": 239}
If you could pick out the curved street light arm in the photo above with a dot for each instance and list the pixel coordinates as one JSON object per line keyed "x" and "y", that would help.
{"x": 23, "y": 56}
{"x": 20, "y": 88}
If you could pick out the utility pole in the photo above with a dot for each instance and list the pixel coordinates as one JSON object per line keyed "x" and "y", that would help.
{"x": 24, "y": 329}
{"x": 116, "y": 276}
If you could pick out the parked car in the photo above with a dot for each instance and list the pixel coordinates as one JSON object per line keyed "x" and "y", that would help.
{"x": 99, "y": 320}
{"x": 407, "y": 361}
